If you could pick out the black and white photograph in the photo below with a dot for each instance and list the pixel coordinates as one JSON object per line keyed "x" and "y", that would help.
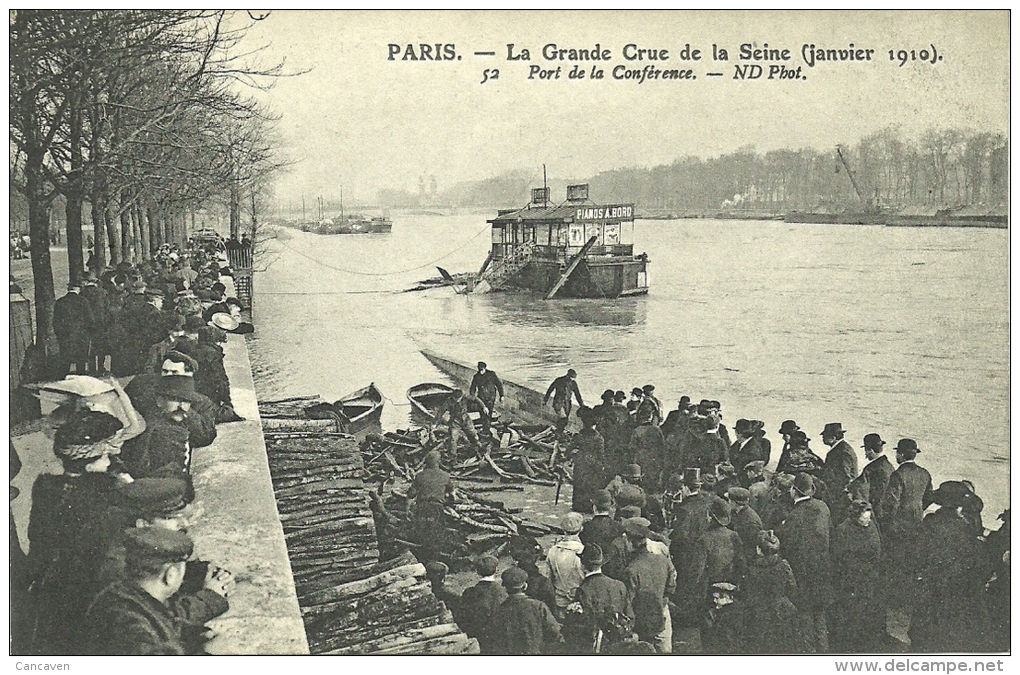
{"x": 503, "y": 333}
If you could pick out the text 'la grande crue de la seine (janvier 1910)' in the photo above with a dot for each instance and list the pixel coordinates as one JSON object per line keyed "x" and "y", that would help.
{"x": 639, "y": 64}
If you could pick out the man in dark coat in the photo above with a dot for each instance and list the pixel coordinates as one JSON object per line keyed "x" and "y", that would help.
{"x": 718, "y": 554}
{"x": 562, "y": 390}
{"x": 600, "y": 598}
{"x": 677, "y": 418}
{"x": 907, "y": 495}
{"x": 747, "y": 448}
{"x": 522, "y": 625}
{"x": 786, "y": 430}
{"x": 840, "y": 468}
{"x": 650, "y": 406}
{"x": 478, "y": 605}
{"x": 951, "y": 615}
{"x": 99, "y": 302}
{"x": 486, "y": 385}
{"x": 878, "y": 470}
{"x": 143, "y": 392}
{"x": 73, "y": 324}
{"x": 430, "y": 490}
{"x": 691, "y": 519}
{"x": 588, "y": 451}
{"x": 614, "y": 424}
{"x": 805, "y": 537}
{"x": 601, "y": 529}
{"x": 743, "y": 520}
{"x": 648, "y": 448}
{"x": 164, "y": 449}
{"x": 702, "y": 448}
{"x": 650, "y": 579}
{"x": 458, "y": 405}
{"x": 526, "y": 552}
{"x": 131, "y": 617}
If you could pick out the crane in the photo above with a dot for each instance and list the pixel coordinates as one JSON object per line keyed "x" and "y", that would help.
{"x": 857, "y": 189}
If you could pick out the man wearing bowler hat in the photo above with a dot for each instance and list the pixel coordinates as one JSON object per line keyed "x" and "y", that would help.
{"x": 906, "y": 497}
{"x": 878, "y": 470}
{"x": 747, "y": 448}
{"x": 599, "y": 597}
{"x": 131, "y": 617}
{"x": 805, "y": 537}
{"x": 840, "y": 468}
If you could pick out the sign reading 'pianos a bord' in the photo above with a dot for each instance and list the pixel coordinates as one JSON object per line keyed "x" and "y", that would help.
{"x": 607, "y": 212}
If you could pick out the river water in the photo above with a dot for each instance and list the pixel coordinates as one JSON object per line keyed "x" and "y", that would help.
{"x": 899, "y": 331}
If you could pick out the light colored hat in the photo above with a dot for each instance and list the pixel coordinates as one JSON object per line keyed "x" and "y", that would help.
{"x": 572, "y": 523}
{"x": 224, "y": 321}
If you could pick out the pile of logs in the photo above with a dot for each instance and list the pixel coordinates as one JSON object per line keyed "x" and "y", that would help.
{"x": 350, "y": 601}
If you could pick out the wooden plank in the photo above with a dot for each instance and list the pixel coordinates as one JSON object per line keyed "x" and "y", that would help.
{"x": 574, "y": 262}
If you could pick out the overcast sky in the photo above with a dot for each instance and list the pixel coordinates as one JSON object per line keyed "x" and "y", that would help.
{"x": 363, "y": 121}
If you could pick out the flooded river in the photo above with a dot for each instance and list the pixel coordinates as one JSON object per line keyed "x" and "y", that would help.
{"x": 899, "y": 331}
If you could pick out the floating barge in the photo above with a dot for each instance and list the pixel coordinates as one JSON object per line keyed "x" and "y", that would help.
{"x": 578, "y": 249}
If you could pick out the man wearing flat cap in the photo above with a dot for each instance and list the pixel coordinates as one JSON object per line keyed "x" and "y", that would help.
{"x": 805, "y": 537}
{"x": 563, "y": 390}
{"x": 650, "y": 579}
{"x": 486, "y": 385}
{"x": 906, "y": 497}
{"x": 131, "y": 617}
{"x": 479, "y": 603}
{"x": 840, "y": 468}
{"x": 523, "y": 625}
{"x": 744, "y": 520}
{"x": 601, "y": 529}
{"x": 564, "y": 560}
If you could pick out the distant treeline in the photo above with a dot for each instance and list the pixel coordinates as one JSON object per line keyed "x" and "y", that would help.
{"x": 944, "y": 168}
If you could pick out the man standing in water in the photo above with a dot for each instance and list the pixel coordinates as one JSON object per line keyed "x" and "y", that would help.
{"x": 486, "y": 385}
{"x": 562, "y": 389}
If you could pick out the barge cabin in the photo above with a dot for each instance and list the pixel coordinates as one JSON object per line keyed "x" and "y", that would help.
{"x": 578, "y": 249}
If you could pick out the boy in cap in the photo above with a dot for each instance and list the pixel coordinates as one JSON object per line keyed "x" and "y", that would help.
{"x": 478, "y": 604}
{"x": 522, "y": 625}
{"x": 565, "y": 562}
{"x": 131, "y": 617}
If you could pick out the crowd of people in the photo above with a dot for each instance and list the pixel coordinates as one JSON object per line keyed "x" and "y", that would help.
{"x": 686, "y": 529}
{"x": 109, "y": 567}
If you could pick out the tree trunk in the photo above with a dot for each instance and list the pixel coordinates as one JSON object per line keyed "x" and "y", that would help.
{"x": 99, "y": 228}
{"x": 39, "y": 234}
{"x": 143, "y": 231}
{"x": 235, "y": 210}
{"x": 126, "y": 233}
{"x": 155, "y": 229}
{"x": 72, "y": 211}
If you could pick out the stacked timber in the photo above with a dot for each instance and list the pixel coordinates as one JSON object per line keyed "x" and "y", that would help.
{"x": 350, "y": 601}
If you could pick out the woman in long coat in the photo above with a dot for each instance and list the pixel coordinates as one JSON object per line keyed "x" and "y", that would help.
{"x": 73, "y": 522}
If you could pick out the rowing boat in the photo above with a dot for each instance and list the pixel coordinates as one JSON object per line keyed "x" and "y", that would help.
{"x": 363, "y": 408}
{"x": 357, "y": 412}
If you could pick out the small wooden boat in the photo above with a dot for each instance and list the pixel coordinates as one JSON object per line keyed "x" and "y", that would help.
{"x": 426, "y": 398}
{"x": 356, "y": 413}
{"x": 363, "y": 408}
